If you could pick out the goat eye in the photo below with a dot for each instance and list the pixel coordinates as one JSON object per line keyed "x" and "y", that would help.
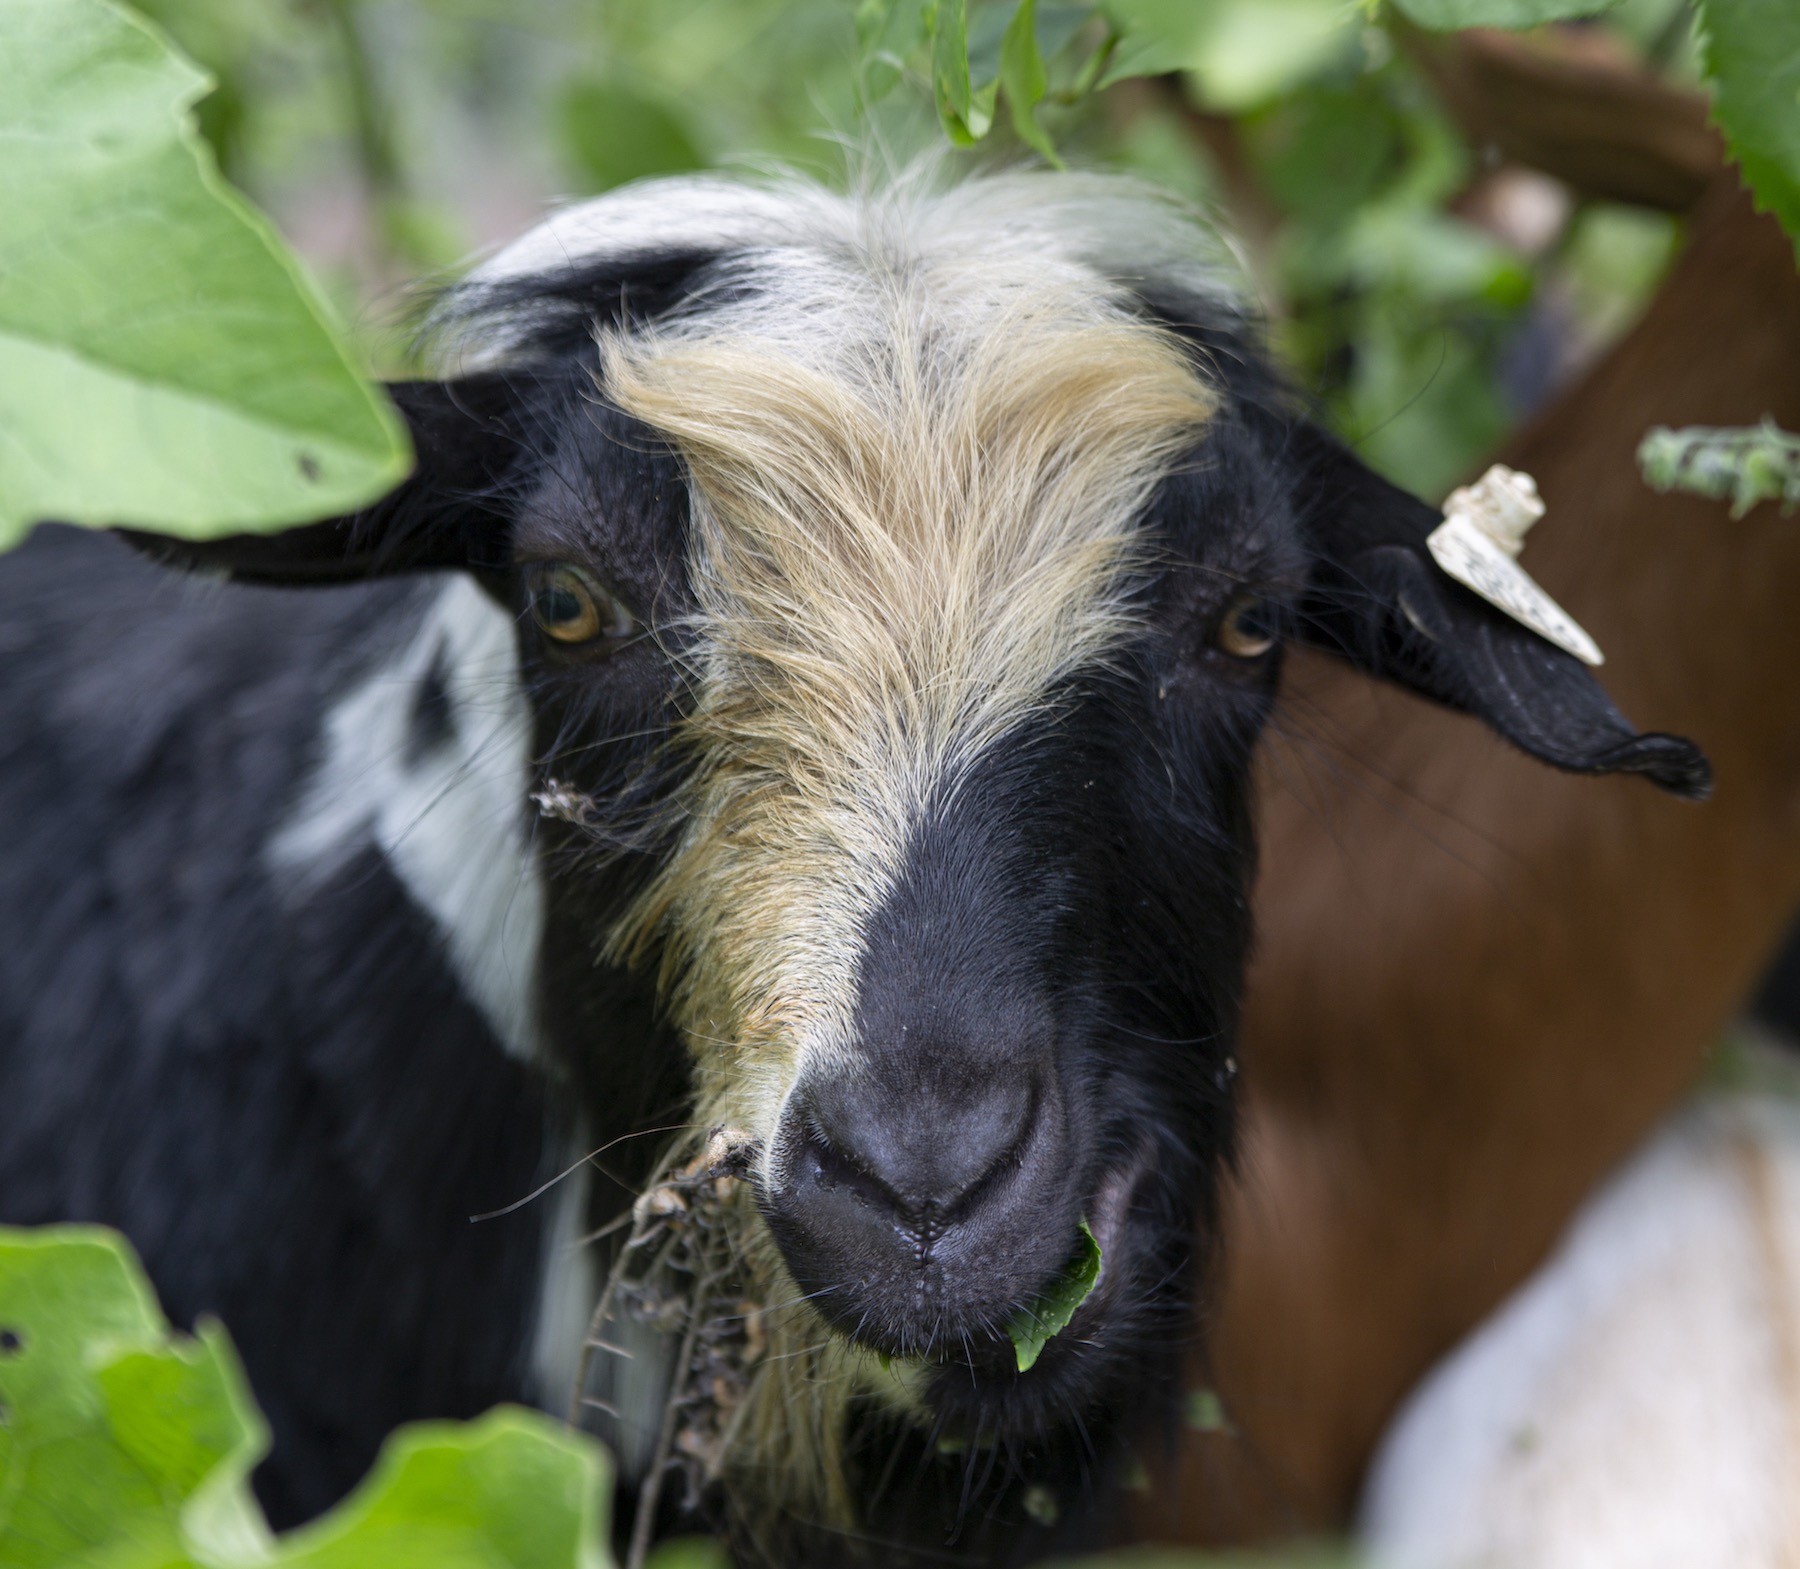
{"x": 572, "y": 608}
{"x": 1248, "y": 628}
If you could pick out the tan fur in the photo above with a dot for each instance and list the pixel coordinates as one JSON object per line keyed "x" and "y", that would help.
{"x": 915, "y": 505}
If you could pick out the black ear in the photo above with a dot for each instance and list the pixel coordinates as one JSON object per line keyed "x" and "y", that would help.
{"x": 448, "y": 513}
{"x": 1376, "y": 598}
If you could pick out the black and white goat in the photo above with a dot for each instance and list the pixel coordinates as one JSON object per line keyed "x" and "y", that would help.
{"x": 884, "y": 593}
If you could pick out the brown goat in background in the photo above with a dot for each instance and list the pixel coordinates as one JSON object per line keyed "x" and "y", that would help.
{"x": 1480, "y": 986}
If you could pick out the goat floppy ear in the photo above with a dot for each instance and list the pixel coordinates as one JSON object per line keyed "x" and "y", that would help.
{"x": 1376, "y": 598}
{"x": 447, "y": 513}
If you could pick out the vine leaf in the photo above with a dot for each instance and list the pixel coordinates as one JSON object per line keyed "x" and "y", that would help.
{"x": 1240, "y": 54}
{"x": 1024, "y": 80}
{"x": 1740, "y": 464}
{"x": 163, "y": 360}
{"x": 1751, "y": 51}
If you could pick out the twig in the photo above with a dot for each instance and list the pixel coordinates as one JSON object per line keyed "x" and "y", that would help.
{"x": 683, "y": 1210}
{"x": 644, "y": 1521}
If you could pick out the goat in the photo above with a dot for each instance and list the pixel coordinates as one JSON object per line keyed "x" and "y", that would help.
{"x": 882, "y": 596}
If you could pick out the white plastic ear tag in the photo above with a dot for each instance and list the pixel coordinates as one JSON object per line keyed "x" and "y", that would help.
{"x": 1478, "y": 544}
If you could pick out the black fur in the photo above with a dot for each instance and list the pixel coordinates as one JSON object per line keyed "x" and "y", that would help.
{"x": 290, "y": 1109}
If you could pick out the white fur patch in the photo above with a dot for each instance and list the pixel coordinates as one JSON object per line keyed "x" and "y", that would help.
{"x": 1634, "y": 1405}
{"x": 1123, "y": 230}
{"x": 1059, "y": 226}
{"x": 453, "y": 821}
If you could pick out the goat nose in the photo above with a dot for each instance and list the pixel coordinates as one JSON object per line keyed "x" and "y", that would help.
{"x": 920, "y": 1200}
{"x": 924, "y": 1148}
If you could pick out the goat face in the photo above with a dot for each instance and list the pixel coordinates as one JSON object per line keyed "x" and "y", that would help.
{"x": 946, "y": 844}
{"x": 902, "y": 584}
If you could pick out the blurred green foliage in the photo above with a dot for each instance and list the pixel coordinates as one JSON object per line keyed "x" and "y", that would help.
{"x": 1742, "y": 466}
{"x": 393, "y": 138}
{"x": 614, "y": 131}
{"x": 1497, "y": 13}
{"x": 1752, "y": 56}
{"x": 125, "y": 1444}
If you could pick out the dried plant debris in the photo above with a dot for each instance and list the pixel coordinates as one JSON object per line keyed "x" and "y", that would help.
{"x": 567, "y": 804}
{"x": 1049, "y": 1316}
{"x": 677, "y": 1276}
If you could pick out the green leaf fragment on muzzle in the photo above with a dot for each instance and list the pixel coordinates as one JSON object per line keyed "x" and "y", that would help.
{"x": 1034, "y": 1326}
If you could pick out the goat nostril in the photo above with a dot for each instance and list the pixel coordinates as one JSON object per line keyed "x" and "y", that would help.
{"x": 922, "y": 1156}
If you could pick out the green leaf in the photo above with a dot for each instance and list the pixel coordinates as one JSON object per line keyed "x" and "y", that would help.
{"x": 126, "y": 1446}
{"x": 1751, "y": 51}
{"x": 1024, "y": 79}
{"x": 613, "y": 132}
{"x": 888, "y": 32}
{"x": 506, "y": 1489}
{"x": 690, "y": 1552}
{"x": 878, "y": 69}
{"x": 871, "y": 22}
{"x": 1448, "y": 15}
{"x": 1154, "y": 37}
{"x": 1049, "y": 1316}
{"x": 163, "y": 360}
{"x": 965, "y": 111}
{"x": 1328, "y": 154}
{"x": 118, "y": 1442}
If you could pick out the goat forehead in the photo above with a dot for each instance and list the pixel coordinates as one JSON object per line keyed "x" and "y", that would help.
{"x": 916, "y": 477}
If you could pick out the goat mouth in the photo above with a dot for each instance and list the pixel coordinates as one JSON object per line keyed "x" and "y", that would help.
{"x": 981, "y": 1387}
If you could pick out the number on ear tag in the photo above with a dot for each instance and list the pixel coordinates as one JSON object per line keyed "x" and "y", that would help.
{"x": 1483, "y": 529}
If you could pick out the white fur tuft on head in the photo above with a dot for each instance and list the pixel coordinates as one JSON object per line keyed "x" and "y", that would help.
{"x": 1086, "y": 226}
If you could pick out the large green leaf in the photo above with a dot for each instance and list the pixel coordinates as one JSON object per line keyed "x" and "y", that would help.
{"x": 1752, "y": 54}
{"x": 1446, "y": 15}
{"x": 127, "y": 1447}
{"x": 163, "y": 360}
{"x": 507, "y": 1489}
{"x": 119, "y": 1445}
